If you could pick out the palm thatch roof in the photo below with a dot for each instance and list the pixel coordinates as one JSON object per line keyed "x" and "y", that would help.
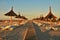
{"x": 11, "y": 13}
{"x": 50, "y": 15}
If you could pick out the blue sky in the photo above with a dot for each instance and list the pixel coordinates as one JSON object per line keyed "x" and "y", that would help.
{"x": 29, "y": 8}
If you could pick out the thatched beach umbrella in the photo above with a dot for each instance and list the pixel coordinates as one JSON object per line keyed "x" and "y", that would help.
{"x": 11, "y": 13}
{"x": 18, "y": 16}
{"x": 21, "y": 17}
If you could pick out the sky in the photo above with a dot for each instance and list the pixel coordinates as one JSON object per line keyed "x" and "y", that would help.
{"x": 29, "y": 8}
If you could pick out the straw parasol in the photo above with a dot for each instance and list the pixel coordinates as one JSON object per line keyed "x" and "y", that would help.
{"x": 23, "y": 17}
{"x": 11, "y": 13}
{"x": 20, "y": 18}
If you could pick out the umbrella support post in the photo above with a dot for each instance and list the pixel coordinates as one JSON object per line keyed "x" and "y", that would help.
{"x": 11, "y": 20}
